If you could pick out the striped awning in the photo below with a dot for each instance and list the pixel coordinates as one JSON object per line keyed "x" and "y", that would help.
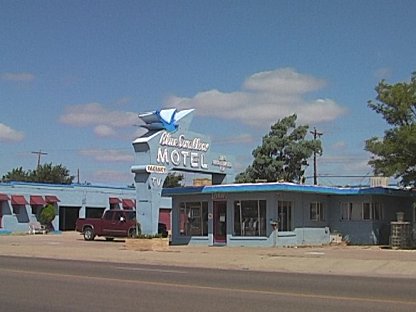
{"x": 114, "y": 200}
{"x": 51, "y": 199}
{"x": 37, "y": 200}
{"x": 18, "y": 200}
{"x": 128, "y": 203}
{"x": 4, "y": 197}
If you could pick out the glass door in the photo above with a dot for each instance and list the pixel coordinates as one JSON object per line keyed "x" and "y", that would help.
{"x": 220, "y": 222}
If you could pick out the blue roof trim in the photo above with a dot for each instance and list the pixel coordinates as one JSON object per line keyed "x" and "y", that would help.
{"x": 288, "y": 187}
{"x": 69, "y": 186}
{"x": 182, "y": 190}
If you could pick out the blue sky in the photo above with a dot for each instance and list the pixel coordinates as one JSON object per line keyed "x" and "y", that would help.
{"x": 75, "y": 74}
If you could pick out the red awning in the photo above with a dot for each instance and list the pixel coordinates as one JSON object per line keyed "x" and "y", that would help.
{"x": 18, "y": 200}
{"x": 128, "y": 204}
{"x": 51, "y": 199}
{"x": 37, "y": 200}
{"x": 114, "y": 200}
{"x": 4, "y": 197}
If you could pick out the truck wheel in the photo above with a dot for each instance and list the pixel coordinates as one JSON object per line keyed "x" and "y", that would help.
{"x": 132, "y": 233}
{"x": 89, "y": 234}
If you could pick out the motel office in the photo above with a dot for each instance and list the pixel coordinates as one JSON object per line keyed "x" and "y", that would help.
{"x": 285, "y": 214}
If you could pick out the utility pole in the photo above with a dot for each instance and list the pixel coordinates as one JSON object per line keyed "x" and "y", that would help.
{"x": 316, "y": 135}
{"x": 40, "y": 153}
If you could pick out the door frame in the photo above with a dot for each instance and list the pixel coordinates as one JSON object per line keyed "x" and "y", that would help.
{"x": 219, "y": 222}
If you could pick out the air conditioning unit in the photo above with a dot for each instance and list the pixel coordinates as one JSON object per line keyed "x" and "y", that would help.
{"x": 379, "y": 181}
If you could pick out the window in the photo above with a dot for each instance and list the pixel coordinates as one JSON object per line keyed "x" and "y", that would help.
{"x": 250, "y": 218}
{"x": 284, "y": 213}
{"x": 16, "y": 209}
{"x": 372, "y": 211}
{"x": 108, "y": 215}
{"x": 346, "y": 211}
{"x": 117, "y": 216}
{"x": 193, "y": 218}
{"x": 316, "y": 212}
{"x": 36, "y": 209}
{"x": 414, "y": 213}
{"x": 377, "y": 211}
{"x": 130, "y": 215}
{"x": 366, "y": 211}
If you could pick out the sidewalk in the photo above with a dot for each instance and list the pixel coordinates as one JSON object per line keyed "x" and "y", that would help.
{"x": 343, "y": 260}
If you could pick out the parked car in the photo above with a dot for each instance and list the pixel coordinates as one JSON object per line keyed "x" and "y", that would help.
{"x": 113, "y": 223}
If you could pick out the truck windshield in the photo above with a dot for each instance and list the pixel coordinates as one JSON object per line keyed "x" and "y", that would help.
{"x": 131, "y": 215}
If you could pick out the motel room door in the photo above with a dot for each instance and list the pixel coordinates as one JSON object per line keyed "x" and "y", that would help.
{"x": 220, "y": 222}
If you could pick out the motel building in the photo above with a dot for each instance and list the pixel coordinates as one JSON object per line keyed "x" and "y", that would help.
{"x": 21, "y": 202}
{"x": 285, "y": 214}
{"x": 224, "y": 213}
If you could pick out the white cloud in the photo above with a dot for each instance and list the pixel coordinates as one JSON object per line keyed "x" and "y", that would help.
{"x": 383, "y": 73}
{"x": 265, "y": 98}
{"x": 9, "y": 134}
{"x": 340, "y": 145}
{"x": 122, "y": 101}
{"x": 104, "y": 131}
{"x": 113, "y": 176}
{"x": 283, "y": 81}
{"x": 19, "y": 77}
{"x": 95, "y": 114}
{"x": 108, "y": 155}
{"x": 237, "y": 139}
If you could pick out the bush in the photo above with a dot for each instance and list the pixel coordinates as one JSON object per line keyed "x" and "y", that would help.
{"x": 47, "y": 215}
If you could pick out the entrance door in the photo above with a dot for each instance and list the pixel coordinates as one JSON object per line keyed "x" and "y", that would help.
{"x": 67, "y": 218}
{"x": 220, "y": 222}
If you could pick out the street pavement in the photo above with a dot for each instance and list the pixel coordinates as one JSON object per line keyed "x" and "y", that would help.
{"x": 339, "y": 260}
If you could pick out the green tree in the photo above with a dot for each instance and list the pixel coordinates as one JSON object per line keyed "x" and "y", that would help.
{"x": 395, "y": 153}
{"x": 48, "y": 173}
{"x": 44, "y": 174}
{"x": 16, "y": 174}
{"x": 47, "y": 215}
{"x": 173, "y": 180}
{"x": 283, "y": 154}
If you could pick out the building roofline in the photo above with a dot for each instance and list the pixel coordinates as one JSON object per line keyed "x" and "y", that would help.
{"x": 68, "y": 186}
{"x": 288, "y": 187}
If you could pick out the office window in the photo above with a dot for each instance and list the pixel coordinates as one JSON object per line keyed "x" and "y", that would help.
{"x": 377, "y": 211}
{"x": 372, "y": 211}
{"x": 316, "y": 212}
{"x": 250, "y": 218}
{"x": 366, "y": 212}
{"x": 284, "y": 213}
{"x": 193, "y": 218}
{"x": 346, "y": 211}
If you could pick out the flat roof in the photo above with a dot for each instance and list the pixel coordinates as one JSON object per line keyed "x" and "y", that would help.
{"x": 288, "y": 187}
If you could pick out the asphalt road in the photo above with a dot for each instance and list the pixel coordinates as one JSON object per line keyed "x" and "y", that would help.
{"x": 32, "y": 284}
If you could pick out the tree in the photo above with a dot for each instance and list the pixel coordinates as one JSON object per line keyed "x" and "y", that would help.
{"x": 47, "y": 215}
{"x": 395, "y": 154}
{"x": 52, "y": 174}
{"x": 16, "y": 174}
{"x": 44, "y": 173}
{"x": 173, "y": 180}
{"x": 283, "y": 154}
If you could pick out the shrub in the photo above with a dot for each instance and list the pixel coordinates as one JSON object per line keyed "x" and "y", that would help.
{"x": 47, "y": 215}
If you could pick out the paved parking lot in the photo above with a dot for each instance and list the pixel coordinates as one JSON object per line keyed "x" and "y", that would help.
{"x": 348, "y": 260}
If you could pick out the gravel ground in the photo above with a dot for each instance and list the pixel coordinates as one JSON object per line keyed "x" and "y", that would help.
{"x": 340, "y": 260}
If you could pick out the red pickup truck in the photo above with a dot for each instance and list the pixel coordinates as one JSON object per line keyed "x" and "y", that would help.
{"x": 113, "y": 223}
